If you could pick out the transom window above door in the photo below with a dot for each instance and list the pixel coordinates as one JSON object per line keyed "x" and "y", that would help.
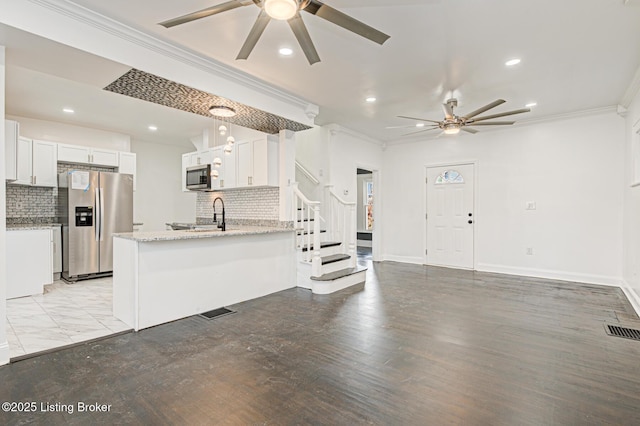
{"x": 449, "y": 176}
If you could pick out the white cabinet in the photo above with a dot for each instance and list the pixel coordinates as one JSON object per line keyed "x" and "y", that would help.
{"x": 36, "y": 163}
{"x": 56, "y": 250}
{"x": 29, "y": 262}
{"x": 11, "y": 134}
{"x": 257, "y": 163}
{"x": 227, "y": 171}
{"x": 85, "y": 155}
{"x": 186, "y": 162}
{"x": 127, "y": 164}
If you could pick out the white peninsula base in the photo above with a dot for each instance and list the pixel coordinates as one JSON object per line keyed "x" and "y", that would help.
{"x": 165, "y": 276}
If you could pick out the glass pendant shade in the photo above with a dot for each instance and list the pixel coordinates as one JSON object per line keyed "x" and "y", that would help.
{"x": 217, "y": 162}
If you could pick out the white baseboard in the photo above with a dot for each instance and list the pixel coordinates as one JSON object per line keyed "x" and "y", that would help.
{"x": 4, "y": 353}
{"x": 403, "y": 259}
{"x": 632, "y": 295}
{"x": 551, "y": 275}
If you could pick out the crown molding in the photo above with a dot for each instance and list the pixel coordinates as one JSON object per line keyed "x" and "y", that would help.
{"x": 193, "y": 59}
{"x": 532, "y": 121}
{"x": 334, "y": 129}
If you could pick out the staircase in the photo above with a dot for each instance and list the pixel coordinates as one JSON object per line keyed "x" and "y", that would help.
{"x": 327, "y": 253}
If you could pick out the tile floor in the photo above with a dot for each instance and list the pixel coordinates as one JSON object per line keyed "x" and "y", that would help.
{"x": 63, "y": 315}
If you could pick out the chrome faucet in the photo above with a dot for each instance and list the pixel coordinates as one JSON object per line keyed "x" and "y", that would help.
{"x": 222, "y": 226}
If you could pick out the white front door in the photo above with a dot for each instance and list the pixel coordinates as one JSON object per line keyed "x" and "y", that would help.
{"x": 450, "y": 216}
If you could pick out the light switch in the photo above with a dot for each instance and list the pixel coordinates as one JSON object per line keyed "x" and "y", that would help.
{"x": 531, "y": 205}
{"x": 345, "y": 192}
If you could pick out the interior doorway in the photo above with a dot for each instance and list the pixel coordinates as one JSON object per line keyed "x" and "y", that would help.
{"x": 368, "y": 212}
{"x": 450, "y": 216}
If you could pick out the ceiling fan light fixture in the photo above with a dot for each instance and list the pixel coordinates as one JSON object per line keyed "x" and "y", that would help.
{"x": 282, "y": 10}
{"x": 222, "y": 111}
{"x": 451, "y": 129}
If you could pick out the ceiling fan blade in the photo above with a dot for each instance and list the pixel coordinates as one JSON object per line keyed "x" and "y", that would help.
{"x": 304, "y": 39}
{"x": 421, "y": 131}
{"x": 419, "y": 119}
{"x": 223, "y": 7}
{"x": 254, "y": 35}
{"x": 493, "y": 123}
{"x": 485, "y": 108}
{"x": 448, "y": 111}
{"x": 472, "y": 131}
{"x": 502, "y": 114}
{"x": 332, "y": 15}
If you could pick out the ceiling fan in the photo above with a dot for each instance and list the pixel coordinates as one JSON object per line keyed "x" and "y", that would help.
{"x": 285, "y": 10}
{"x": 452, "y": 123}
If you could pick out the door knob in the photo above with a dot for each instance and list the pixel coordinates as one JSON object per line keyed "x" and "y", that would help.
{"x": 470, "y": 221}
{"x": 470, "y": 214}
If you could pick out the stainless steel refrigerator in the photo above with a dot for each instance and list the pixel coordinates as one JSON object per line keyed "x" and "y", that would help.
{"x": 94, "y": 205}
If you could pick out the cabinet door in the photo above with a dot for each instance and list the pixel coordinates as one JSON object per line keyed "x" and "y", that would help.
{"x": 11, "y": 133}
{"x": 56, "y": 249}
{"x": 73, "y": 154}
{"x": 229, "y": 165}
{"x": 245, "y": 163}
{"x": 104, "y": 157}
{"x": 24, "y": 171}
{"x": 45, "y": 164}
{"x": 28, "y": 262}
{"x": 127, "y": 164}
{"x": 260, "y": 162}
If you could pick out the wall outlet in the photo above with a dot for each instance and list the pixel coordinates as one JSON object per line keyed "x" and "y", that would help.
{"x": 531, "y": 205}
{"x": 345, "y": 192}
{"x": 529, "y": 251}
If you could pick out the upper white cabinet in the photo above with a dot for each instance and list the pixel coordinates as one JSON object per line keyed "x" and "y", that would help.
{"x": 11, "y": 133}
{"x": 257, "y": 163}
{"x": 36, "y": 163}
{"x": 227, "y": 171}
{"x": 85, "y": 155}
{"x": 127, "y": 164}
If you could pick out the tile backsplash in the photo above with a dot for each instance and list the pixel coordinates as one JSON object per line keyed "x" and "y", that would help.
{"x": 246, "y": 206}
{"x": 34, "y": 204}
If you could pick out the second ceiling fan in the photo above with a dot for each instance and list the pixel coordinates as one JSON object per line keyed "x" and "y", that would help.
{"x": 286, "y": 10}
{"x": 453, "y": 123}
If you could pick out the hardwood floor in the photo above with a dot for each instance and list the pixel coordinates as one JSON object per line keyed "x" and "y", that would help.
{"x": 416, "y": 345}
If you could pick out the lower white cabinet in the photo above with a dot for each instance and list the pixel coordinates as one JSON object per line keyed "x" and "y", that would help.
{"x": 29, "y": 261}
{"x": 56, "y": 251}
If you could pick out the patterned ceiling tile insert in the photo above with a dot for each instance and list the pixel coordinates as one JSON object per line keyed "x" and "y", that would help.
{"x": 148, "y": 87}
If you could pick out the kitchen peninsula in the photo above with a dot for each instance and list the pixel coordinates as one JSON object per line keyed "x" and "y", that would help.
{"x": 167, "y": 275}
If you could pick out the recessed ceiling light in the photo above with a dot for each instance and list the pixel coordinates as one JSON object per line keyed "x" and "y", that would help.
{"x": 371, "y": 99}
{"x": 68, "y": 110}
{"x": 286, "y": 51}
{"x": 153, "y": 128}
{"x": 531, "y": 104}
{"x": 420, "y": 125}
{"x": 512, "y": 62}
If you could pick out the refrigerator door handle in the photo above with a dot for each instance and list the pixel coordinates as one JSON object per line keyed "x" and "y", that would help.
{"x": 101, "y": 213}
{"x": 96, "y": 222}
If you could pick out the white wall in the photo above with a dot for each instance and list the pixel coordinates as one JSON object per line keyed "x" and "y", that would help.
{"x": 70, "y": 134}
{"x": 571, "y": 168}
{"x": 312, "y": 151}
{"x": 347, "y": 152}
{"x": 632, "y": 205}
{"x": 4, "y": 346}
{"x": 159, "y": 198}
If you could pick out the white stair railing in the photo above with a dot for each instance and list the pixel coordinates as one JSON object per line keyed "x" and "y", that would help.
{"x": 306, "y": 214}
{"x": 341, "y": 216}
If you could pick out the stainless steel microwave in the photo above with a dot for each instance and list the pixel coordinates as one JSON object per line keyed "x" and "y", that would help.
{"x": 199, "y": 177}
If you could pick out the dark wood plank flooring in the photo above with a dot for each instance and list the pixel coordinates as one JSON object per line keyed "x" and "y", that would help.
{"x": 416, "y": 345}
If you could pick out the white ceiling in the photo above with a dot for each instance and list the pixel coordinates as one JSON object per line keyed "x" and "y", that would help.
{"x": 576, "y": 55}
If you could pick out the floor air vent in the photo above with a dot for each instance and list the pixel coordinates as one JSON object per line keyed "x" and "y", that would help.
{"x": 627, "y": 333}
{"x": 217, "y": 313}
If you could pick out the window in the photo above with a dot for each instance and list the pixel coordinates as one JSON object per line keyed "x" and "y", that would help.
{"x": 368, "y": 203}
{"x": 450, "y": 176}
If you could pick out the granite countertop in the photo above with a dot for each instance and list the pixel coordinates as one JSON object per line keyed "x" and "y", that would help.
{"x": 31, "y": 226}
{"x": 200, "y": 232}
